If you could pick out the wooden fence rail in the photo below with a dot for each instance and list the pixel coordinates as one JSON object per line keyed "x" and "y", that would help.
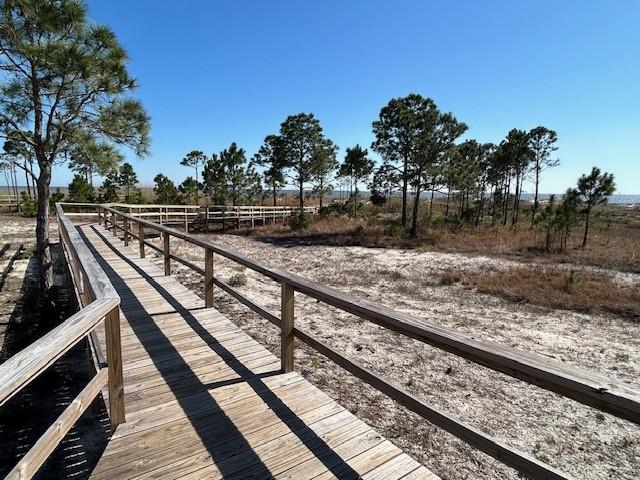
{"x": 592, "y": 390}
{"x": 97, "y": 300}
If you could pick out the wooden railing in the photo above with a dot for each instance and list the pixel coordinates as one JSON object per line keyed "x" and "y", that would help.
{"x": 252, "y": 213}
{"x": 97, "y": 300}
{"x": 587, "y": 388}
{"x": 9, "y": 201}
{"x": 186, "y": 214}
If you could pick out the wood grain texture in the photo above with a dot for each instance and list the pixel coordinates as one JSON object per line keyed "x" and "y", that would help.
{"x": 286, "y": 328}
{"x": 167, "y": 252}
{"x": 27, "y": 364}
{"x": 114, "y": 361}
{"x": 205, "y": 400}
{"x": 141, "y": 240}
{"x": 208, "y": 277}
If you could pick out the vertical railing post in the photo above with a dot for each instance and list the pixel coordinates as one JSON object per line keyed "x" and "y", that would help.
{"x": 167, "y": 253}
{"x": 208, "y": 277}
{"x": 114, "y": 363}
{"x": 126, "y": 232}
{"x": 141, "y": 238}
{"x": 104, "y": 217}
{"x": 286, "y": 329}
{"x": 113, "y": 224}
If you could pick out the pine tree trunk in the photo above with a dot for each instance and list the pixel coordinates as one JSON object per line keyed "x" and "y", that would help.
{"x": 414, "y": 219}
{"x": 506, "y": 201}
{"x": 446, "y": 211}
{"x": 431, "y": 204}
{"x": 26, "y": 178}
{"x": 548, "y": 238}
{"x": 516, "y": 201}
{"x": 535, "y": 196}
{"x": 405, "y": 182}
{"x": 586, "y": 227}
{"x": 42, "y": 227}
{"x": 301, "y": 199}
{"x": 14, "y": 180}
{"x": 480, "y": 212}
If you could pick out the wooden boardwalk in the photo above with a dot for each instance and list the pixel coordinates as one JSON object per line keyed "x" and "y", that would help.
{"x": 205, "y": 400}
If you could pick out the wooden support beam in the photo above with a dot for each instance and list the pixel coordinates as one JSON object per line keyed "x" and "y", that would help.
{"x": 126, "y": 232}
{"x": 114, "y": 363}
{"x": 167, "y": 253}
{"x": 208, "y": 277}
{"x": 286, "y": 328}
{"x": 113, "y": 224}
{"x": 141, "y": 239}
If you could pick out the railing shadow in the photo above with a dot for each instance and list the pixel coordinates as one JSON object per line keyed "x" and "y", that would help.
{"x": 189, "y": 382}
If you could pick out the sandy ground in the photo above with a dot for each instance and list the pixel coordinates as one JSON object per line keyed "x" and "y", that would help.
{"x": 579, "y": 440}
{"x": 16, "y": 240}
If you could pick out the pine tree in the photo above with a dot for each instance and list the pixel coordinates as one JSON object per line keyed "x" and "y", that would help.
{"x": 357, "y": 167}
{"x": 165, "y": 190}
{"x": 63, "y": 75}
{"x": 594, "y": 189}
{"x": 80, "y": 191}
{"x": 127, "y": 179}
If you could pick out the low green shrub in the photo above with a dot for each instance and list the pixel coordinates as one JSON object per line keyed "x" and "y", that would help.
{"x": 27, "y": 205}
{"x": 299, "y": 221}
{"x": 238, "y": 280}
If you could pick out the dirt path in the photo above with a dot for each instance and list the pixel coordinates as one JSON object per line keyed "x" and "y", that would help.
{"x": 579, "y": 440}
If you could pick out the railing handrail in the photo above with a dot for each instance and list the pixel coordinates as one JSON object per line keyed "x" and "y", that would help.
{"x": 152, "y": 205}
{"x": 101, "y": 287}
{"x": 21, "y": 368}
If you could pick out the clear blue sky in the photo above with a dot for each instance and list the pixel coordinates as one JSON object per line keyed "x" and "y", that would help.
{"x": 213, "y": 72}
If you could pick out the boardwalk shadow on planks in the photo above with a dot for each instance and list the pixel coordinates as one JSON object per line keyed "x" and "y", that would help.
{"x": 216, "y": 443}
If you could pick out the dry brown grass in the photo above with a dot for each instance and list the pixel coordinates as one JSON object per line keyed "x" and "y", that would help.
{"x": 614, "y": 242}
{"x": 554, "y": 287}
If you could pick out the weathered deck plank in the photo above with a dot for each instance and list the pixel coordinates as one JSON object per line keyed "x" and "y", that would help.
{"x": 205, "y": 400}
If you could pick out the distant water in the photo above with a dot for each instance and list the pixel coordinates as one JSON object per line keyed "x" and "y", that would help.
{"x": 615, "y": 199}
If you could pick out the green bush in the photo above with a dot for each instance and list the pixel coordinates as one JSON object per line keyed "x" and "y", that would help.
{"x": 377, "y": 199}
{"x": 80, "y": 191}
{"x": 299, "y": 221}
{"x": 55, "y": 197}
{"x": 238, "y": 280}
{"x": 27, "y": 205}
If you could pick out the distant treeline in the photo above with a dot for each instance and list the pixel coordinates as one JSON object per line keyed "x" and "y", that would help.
{"x": 421, "y": 157}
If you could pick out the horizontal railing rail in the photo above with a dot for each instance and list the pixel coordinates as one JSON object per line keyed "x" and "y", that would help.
{"x": 97, "y": 301}
{"x": 587, "y": 388}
